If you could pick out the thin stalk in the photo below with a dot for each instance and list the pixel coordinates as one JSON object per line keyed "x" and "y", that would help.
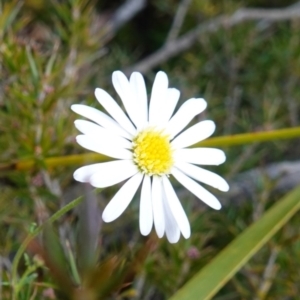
{"x": 73, "y": 264}
{"x": 32, "y": 235}
{"x": 222, "y": 141}
{"x": 252, "y": 137}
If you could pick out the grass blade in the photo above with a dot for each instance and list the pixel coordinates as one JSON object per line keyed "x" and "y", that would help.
{"x": 209, "y": 280}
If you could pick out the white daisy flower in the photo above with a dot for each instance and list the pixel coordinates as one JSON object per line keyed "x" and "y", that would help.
{"x": 148, "y": 144}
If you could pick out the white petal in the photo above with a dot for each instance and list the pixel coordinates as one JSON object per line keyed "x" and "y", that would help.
{"x": 124, "y": 90}
{"x": 203, "y": 175}
{"x": 100, "y": 118}
{"x": 103, "y": 147}
{"x": 112, "y": 172}
{"x": 166, "y": 108}
{"x": 194, "y": 134}
{"x": 196, "y": 189}
{"x": 109, "y": 170}
{"x": 200, "y": 156}
{"x": 122, "y": 198}
{"x": 146, "y": 213}
{"x": 139, "y": 91}
{"x": 169, "y": 105}
{"x": 84, "y": 174}
{"x": 102, "y": 134}
{"x": 114, "y": 110}
{"x": 176, "y": 208}
{"x": 188, "y": 110}
{"x": 158, "y": 210}
{"x": 158, "y": 95}
{"x": 172, "y": 229}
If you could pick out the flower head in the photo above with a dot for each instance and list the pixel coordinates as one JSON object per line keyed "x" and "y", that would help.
{"x": 149, "y": 144}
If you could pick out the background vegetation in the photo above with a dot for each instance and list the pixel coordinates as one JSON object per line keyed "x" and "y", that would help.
{"x": 53, "y": 54}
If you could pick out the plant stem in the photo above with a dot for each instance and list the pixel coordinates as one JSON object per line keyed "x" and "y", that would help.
{"x": 32, "y": 235}
{"x": 222, "y": 141}
{"x": 252, "y": 137}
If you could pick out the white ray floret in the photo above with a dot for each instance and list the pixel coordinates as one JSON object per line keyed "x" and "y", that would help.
{"x": 121, "y": 200}
{"x": 92, "y": 129}
{"x": 139, "y": 94}
{"x": 185, "y": 114}
{"x": 108, "y": 149}
{"x": 100, "y": 118}
{"x": 200, "y": 156}
{"x": 159, "y": 93}
{"x": 108, "y": 173}
{"x": 197, "y": 189}
{"x": 203, "y": 175}
{"x": 148, "y": 145}
{"x": 114, "y": 110}
{"x": 146, "y": 211}
{"x": 169, "y": 105}
{"x": 158, "y": 208}
{"x": 194, "y": 134}
{"x": 172, "y": 229}
{"x": 113, "y": 172}
{"x": 176, "y": 208}
{"x": 123, "y": 88}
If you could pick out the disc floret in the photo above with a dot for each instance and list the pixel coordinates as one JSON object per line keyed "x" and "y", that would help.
{"x": 152, "y": 152}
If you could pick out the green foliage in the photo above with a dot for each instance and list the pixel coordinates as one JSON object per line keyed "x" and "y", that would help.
{"x": 216, "y": 274}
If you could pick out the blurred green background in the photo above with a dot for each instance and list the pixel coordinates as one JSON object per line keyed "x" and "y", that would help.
{"x": 54, "y": 54}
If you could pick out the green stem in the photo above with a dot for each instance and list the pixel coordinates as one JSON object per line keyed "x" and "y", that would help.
{"x": 222, "y": 141}
{"x": 32, "y": 235}
{"x": 252, "y": 137}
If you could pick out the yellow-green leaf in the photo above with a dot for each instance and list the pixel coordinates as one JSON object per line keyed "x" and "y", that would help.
{"x": 210, "y": 279}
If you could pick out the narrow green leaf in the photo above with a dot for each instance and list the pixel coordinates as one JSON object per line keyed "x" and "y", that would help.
{"x": 54, "y": 249}
{"x": 8, "y": 14}
{"x": 33, "y": 234}
{"x": 73, "y": 265}
{"x": 210, "y": 279}
{"x": 51, "y": 61}
{"x": 32, "y": 64}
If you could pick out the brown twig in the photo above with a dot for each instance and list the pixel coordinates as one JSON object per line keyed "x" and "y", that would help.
{"x": 125, "y": 13}
{"x": 178, "y": 20}
{"x": 183, "y": 43}
{"x": 268, "y": 276}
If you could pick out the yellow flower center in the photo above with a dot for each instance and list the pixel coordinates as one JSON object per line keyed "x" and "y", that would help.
{"x": 152, "y": 152}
